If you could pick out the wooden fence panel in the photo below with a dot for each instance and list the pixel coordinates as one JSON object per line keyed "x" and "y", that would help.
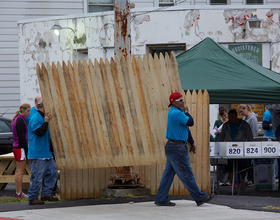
{"x": 113, "y": 113}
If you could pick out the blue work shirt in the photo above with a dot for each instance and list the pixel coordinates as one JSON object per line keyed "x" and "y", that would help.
{"x": 39, "y": 147}
{"x": 267, "y": 117}
{"x": 176, "y": 125}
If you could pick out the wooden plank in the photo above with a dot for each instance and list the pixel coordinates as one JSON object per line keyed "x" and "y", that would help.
{"x": 72, "y": 178}
{"x": 150, "y": 91}
{"x": 42, "y": 74}
{"x": 69, "y": 176}
{"x": 153, "y": 179}
{"x": 174, "y": 67}
{"x": 98, "y": 115}
{"x": 62, "y": 188}
{"x": 91, "y": 183}
{"x": 84, "y": 121}
{"x": 160, "y": 169}
{"x": 176, "y": 185}
{"x": 70, "y": 100}
{"x": 170, "y": 74}
{"x": 4, "y": 164}
{"x": 206, "y": 185}
{"x": 9, "y": 169}
{"x": 193, "y": 130}
{"x": 199, "y": 145}
{"x": 96, "y": 184}
{"x": 11, "y": 179}
{"x": 147, "y": 178}
{"x": 160, "y": 124}
{"x": 49, "y": 105}
{"x": 60, "y": 118}
{"x": 103, "y": 112}
{"x": 129, "y": 105}
{"x": 138, "y": 119}
{"x": 114, "y": 115}
{"x": 120, "y": 111}
{"x": 145, "y": 129}
{"x": 73, "y": 89}
{"x": 79, "y": 175}
{"x": 85, "y": 183}
{"x": 102, "y": 179}
{"x": 72, "y": 148}
{"x": 90, "y": 128}
{"x": 142, "y": 175}
{"x": 108, "y": 172}
{"x": 149, "y": 112}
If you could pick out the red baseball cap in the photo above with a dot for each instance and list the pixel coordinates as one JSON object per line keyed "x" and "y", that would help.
{"x": 173, "y": 97}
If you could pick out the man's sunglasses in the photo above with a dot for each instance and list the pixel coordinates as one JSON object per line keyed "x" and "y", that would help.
{"x": 179, "y": 100}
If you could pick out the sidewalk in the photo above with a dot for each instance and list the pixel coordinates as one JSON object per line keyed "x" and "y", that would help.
{"x": 248, "y": 205}
{"x": 184, "y": 209}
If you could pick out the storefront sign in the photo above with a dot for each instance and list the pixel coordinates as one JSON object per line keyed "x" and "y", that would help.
{"x": 252, "y": 52}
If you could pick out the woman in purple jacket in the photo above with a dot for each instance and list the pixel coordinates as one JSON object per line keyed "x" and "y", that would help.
{"x": 20, "y": 146}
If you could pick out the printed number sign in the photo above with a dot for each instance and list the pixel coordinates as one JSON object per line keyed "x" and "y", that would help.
{"x": 234, "y": 151}
{"x": 270, "y": 150}
{"x": 253, "y": 151}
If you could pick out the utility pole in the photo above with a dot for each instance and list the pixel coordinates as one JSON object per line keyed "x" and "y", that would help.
{"x": 122, "y": 28}
{"x": 124, "y": 177}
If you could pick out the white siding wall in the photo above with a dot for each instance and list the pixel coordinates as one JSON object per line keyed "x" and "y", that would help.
{"x": 235, "y": 2}
{"x": 10, "y": 12}
{"x": 273, "y": 2}
{"x": 143, "y": 3}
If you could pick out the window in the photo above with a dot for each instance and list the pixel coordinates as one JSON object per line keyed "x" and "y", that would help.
{"x": 4, "y": 128}
{"x": 162, "y": 48}
{"x": 166, "y": 3}
{"x": 218, "y": 2}
{"x": 254, "y": 2}
{"x": 101, "y": 5}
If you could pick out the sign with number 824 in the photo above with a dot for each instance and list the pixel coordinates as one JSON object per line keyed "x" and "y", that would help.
{"x": 253, "y": 151}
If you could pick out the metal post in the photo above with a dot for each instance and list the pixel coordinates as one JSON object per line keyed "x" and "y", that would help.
{"x": 124, "y": 177}
{"x": 122, "y": 28}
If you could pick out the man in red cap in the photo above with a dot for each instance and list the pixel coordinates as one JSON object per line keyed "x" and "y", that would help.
{"x": 176, "y": 151}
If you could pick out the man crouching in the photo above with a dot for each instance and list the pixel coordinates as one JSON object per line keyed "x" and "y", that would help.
{"x": 43, "y": 167}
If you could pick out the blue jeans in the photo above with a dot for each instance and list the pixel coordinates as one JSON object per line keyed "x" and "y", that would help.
{"x": 43, "y": 173}
{"x": 178, "y": 162}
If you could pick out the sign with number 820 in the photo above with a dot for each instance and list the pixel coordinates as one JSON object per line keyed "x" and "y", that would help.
{"x": 234, "y": 151}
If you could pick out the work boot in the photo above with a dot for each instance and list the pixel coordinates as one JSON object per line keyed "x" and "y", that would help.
{"x": 36, "y": 202}
{"x": 49, "y": 198}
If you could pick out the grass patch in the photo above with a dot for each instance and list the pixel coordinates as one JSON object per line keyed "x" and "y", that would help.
{"x": 271, "y": 207}
{"x": 8, "y": 199}
{"x": 128, "y": 196}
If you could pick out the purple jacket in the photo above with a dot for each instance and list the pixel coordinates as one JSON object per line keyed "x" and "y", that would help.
{"x": 15, "y": 133}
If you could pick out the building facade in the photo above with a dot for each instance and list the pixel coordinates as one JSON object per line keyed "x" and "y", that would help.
{"x": 10, "y": 12}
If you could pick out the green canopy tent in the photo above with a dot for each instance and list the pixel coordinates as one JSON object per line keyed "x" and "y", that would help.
{"x": 227, "y": 76}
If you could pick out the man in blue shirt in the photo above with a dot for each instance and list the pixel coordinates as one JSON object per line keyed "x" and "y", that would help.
{"x": 176, "y": 151}
{"x": 43, "y": 168}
